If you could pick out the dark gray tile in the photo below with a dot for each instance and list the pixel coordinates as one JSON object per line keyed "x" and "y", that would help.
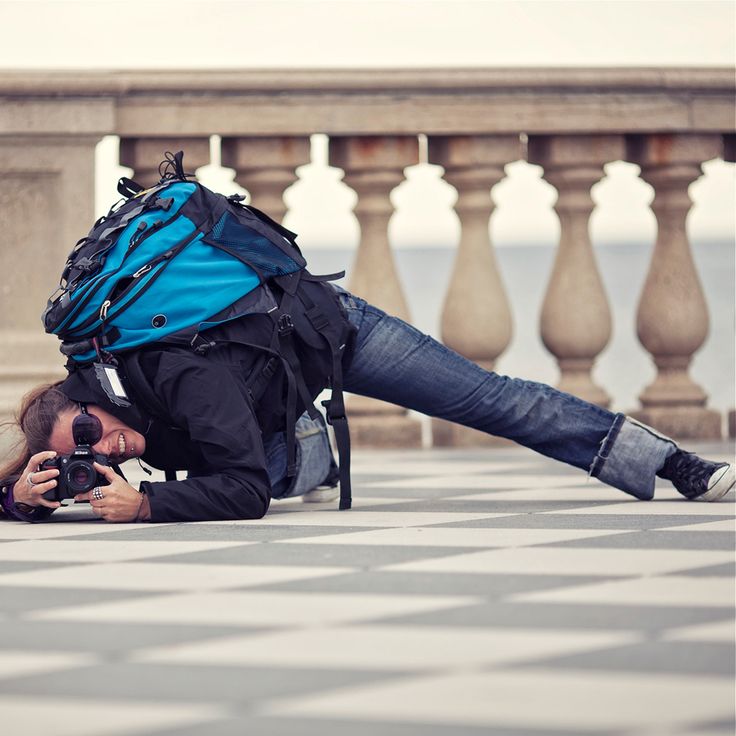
{"x": 189, "y": 683}
{"x": 195, "y": 532}
{"x": 630, "y": 522}
{"x": 18, "y": 600}
{"x": 725, "y": 727}
{"x": 346, "y": 555}
{"x": 665, "y": 657}
{"x": 653, "y": 539}
{"x": 566, "y": 616}
{"x": 110, "y": 638}
{"x": 726, "y": 570}
{"x": 492, "y": 586}
{"x": 28, "y": 565}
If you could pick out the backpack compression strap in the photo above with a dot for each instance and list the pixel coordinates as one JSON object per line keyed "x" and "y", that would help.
{"x": 283, "y": 345}
{"x": 335, "y": 406}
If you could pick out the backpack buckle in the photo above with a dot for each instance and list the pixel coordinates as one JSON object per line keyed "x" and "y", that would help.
{"x": 333, "y": 411}
{"x": 200, "y": 345}
{"x": 285, "y": 325}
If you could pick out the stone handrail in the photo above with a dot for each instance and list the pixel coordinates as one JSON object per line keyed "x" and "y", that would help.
{"x": 570, "y": 121}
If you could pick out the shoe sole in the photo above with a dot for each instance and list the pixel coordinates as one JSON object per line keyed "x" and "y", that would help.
{"x": 724, "y": 483}
{"x": 321, "y": 495}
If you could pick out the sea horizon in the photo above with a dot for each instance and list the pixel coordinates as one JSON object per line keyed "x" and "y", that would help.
{"x": 624, "y": 368}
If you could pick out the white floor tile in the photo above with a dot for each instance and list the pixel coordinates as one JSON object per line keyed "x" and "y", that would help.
{"x": 568, "y": 561}
{"x": 389, "y": 647}
{"x": 650, "y": 591}
{"x": 438, "y": 467}
{"x": 444, "y": 537}
{"x": 500, "y": 481}
{"x": 721, "y": 631}
{"x": 19, "y": 663}
{"x": 162, "y": 577}
{"x": 256, "y": 609}
{"x": 542, "y": 699}
{"x": 25, "y": 715}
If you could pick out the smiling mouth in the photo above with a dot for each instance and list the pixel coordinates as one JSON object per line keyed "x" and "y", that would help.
{"x": 124, "y": 451}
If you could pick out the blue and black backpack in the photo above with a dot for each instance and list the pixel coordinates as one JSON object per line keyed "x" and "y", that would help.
{"x": 178, "y": 264}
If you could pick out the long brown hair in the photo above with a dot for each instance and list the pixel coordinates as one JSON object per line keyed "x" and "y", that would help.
{"x": 35, "y": 418}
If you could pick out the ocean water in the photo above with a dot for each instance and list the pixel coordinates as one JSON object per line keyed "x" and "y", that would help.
{"x": 624, "y": 368}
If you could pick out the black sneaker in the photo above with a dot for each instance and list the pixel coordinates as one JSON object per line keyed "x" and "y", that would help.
{"x": 698, "y": 479}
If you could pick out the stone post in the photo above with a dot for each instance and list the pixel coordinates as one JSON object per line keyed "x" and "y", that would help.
{"x": 144, "y": 155}
{"x": 672, "y": 318}
{"x": 729, "y": 154}
{"x": 373, "y": 167}
{"x": 266, "y": 167}
{"x": 47, "y": 204}
{"x": 476, "y": 317}
{"x": 576, "y": 319}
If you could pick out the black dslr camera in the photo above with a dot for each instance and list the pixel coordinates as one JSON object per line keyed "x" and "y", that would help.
{"x": 77, "y": 473}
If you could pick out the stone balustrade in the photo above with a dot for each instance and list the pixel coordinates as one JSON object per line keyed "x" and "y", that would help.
{"x": 570, "y": 122}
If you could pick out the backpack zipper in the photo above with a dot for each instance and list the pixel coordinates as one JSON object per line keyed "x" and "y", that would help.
{"x": 104, "y": 315}
{"x": 85, "y": 300}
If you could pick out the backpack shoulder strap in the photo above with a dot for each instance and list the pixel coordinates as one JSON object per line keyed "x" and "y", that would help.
{"x": 335, "y": 405}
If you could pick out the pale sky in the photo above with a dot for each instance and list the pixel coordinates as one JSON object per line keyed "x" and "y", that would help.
{"x": 307, "y": 33}
{"x": 327, "y": 33}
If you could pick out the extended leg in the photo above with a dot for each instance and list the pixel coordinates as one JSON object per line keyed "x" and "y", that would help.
{"x": 395, "y": 362}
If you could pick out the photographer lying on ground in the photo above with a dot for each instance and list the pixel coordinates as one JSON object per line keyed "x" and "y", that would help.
{"x": 153, "y": 375}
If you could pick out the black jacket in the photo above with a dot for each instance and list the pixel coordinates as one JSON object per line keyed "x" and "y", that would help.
{"x": 207, "y": 414}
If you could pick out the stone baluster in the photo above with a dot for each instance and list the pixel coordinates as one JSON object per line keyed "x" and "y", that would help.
{"x": 47, "y": 204}
{"x": 373, "y": 168}
{"x": 476, "y": 317}
{"x": 144, "y": 155}
{"x": 576, "y": 319}
{"x": 729, "y": 154}
{"x": 266, "y": 167}
{"x": 672, "y": 318}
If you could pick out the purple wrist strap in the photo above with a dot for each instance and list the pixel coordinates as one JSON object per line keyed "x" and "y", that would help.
{"x": 8, "y": 504}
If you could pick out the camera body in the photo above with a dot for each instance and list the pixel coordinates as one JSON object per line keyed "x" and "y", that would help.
{"x": 77, "y": 473}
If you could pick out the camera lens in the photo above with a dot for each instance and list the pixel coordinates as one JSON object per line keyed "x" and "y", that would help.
{"x": 81, "y": 476}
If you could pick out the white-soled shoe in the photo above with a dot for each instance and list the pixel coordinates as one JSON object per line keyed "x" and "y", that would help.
{"x": 321, "y": 494}
{"x": 698, "y": 479}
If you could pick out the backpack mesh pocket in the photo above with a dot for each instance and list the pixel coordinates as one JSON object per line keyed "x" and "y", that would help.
{"x": 252, "y": 247}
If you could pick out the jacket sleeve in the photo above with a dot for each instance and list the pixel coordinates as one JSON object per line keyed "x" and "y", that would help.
{"x": 209, "y": 401}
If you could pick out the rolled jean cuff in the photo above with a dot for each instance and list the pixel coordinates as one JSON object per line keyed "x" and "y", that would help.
{"x": 314, "y": 459}
{"x": 630, "y": 456}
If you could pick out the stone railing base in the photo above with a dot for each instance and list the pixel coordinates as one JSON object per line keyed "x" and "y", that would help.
{"x": 683, "y": 422}
{"x": 386, "y": 432}
{"x": 448, "y": 434}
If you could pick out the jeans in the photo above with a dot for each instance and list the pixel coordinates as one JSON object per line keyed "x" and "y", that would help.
{"x": 315, "y": 462}
{"x": 394, "y": 362}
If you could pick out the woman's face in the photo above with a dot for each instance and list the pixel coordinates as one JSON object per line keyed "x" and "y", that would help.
{"x": 119, "y": 442}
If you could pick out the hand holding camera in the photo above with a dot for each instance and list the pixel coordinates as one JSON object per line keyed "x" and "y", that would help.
{"x": 34, "y": 483}
{"x": 114, "y": 499}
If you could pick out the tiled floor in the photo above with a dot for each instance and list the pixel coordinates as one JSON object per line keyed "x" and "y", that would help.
{"x": 467, "y": 593}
